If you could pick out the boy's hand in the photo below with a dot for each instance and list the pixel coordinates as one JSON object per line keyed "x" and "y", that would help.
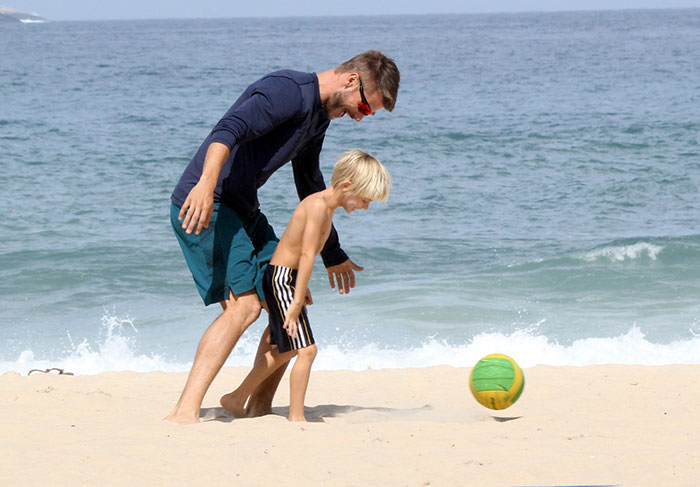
{"x": 290, "y": 320}
{"x": 344, "y": 274}
{"x": 308, "y": 299}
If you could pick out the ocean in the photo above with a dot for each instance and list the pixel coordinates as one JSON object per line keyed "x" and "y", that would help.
{"x": 545, "y": 205}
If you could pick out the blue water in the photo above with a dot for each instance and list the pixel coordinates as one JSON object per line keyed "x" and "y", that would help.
{"x": 546, "y": 198}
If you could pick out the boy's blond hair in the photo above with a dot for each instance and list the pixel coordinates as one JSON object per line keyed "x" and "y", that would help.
{"x": 368, "y": 176}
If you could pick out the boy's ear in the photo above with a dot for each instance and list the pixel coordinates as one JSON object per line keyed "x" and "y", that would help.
{"x": 346, "y": 184}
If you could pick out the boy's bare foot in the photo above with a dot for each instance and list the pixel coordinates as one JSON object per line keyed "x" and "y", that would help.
{"x": 177, "y": 418}
{"x": 296, "y": 415}
{"x": 234, "y": 404}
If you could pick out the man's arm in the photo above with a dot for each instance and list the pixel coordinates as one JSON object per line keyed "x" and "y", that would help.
{"x": 199, "y": 204}
{"x": 309, "y": 179}
{"x": 273, "y": 102}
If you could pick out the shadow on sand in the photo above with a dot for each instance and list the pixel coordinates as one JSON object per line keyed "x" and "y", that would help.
{"x": 316, "y": 414}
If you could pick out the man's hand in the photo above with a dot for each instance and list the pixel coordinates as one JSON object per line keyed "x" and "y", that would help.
{"x": 197, "y": 209}
{"x": 344, "y": 275}
{"x": 199, "y": 205}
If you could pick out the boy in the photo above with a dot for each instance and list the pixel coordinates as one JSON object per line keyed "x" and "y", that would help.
{"x": 358, "y": 179}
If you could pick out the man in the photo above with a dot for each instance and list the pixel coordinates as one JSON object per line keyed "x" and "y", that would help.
{"x": 215, "y": 212}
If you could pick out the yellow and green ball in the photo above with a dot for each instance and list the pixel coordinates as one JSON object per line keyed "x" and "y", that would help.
{"x": 496, "y": 381}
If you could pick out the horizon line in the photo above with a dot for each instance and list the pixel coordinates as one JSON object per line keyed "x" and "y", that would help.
{"x": 508, "y": 12}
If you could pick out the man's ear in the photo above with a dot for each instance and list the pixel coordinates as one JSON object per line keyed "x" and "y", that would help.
{"x": 351, "y": 79}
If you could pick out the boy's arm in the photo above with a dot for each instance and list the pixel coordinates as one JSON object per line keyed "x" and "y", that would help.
{"x": 316, "y": 216}
{"x": 308, "y": 179}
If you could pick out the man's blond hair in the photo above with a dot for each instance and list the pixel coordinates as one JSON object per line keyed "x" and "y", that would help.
{"x": 368, "y": 177}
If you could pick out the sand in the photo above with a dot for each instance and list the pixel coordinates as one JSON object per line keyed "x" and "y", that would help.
{"x": 595, "y": 425}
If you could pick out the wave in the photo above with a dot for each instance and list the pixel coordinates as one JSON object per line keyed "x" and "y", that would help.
{"x": 621, "y": 253}
{"x": 116, "y": 352}
{"x": 526, "y": 347}
{"x": 659, "y": 250}
{"x": 113, "y": 352}
{"x": 666, "y": 249}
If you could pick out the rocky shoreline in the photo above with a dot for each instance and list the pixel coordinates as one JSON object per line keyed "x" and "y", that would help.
{"x": 8, "y": 14}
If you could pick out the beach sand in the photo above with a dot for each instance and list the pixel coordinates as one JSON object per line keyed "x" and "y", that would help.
{"x": 601, "y": 425}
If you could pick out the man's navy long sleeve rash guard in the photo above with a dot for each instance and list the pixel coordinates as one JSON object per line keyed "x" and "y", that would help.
{"x": 278, "y": 119}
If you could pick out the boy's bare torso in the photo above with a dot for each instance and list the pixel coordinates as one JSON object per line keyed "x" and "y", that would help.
{"x": 312, "y": 212}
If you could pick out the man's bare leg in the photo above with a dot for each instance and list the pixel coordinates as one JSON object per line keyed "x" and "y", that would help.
{"x": 260, "y": 402}
{"x": 213, "y": 350}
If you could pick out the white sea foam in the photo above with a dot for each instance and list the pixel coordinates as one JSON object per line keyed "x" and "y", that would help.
{"x": 116, "y": 352}
{"x": 624, "y": 252}
{"x": 113, "y": 352}
{"x": 528, "y": 349}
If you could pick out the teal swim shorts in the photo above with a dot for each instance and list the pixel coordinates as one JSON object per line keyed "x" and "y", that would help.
{"x": 229, "y": 255}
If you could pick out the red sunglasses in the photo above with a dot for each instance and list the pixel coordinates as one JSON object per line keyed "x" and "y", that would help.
{"x": 363, "y": 106}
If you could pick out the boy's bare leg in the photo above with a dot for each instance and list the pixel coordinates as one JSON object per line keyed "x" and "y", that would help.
{"x": 260, "y": 402}
{"x": 213, "y": 350}
{"x": 298, "y": 382}
{"x": 234, "y": 402}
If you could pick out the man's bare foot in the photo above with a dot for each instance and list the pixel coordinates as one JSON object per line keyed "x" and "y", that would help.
{"x": 177, "y": 418}
{"x": 234, "y": 404}
{"x": 298, "y": 419}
